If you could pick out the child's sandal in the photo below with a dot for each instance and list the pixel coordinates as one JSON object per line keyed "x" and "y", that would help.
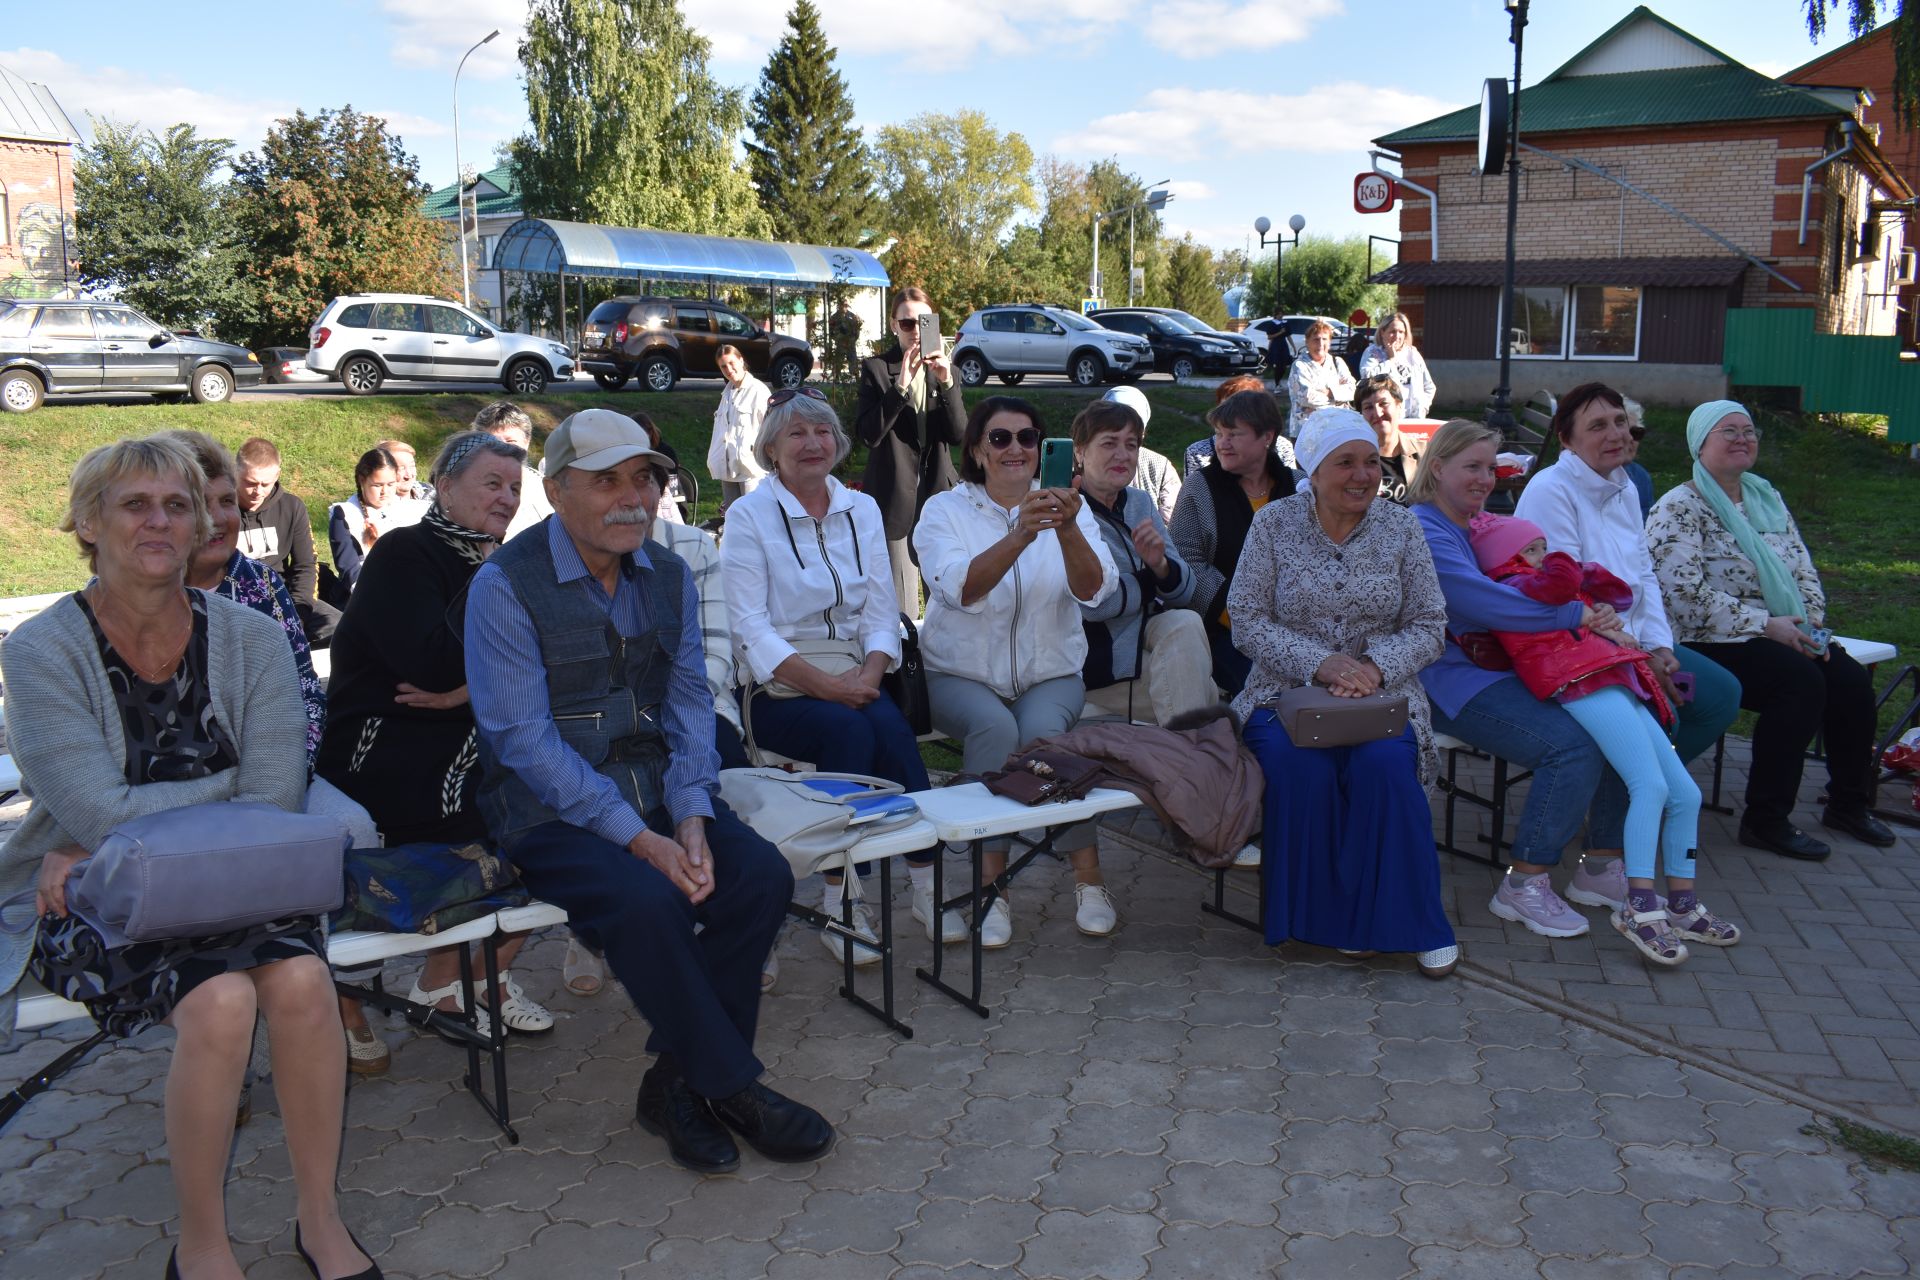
{"x": 1702, "y": 926}
{"x": 1648, "y": 931}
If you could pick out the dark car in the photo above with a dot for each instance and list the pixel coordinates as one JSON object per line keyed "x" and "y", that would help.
{"x": 84, "y": 348}
{"x": 1252, "y": 342}
{"x": 662, "y": 340}
{"x": 1177, "y": 349}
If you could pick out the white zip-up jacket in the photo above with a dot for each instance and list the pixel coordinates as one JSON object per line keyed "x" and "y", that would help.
{"x": 1028, "y": 628}
{"x": 790, "y": 577}
{"x": 1597, "y": 518}
{"x": 736, "y": 425}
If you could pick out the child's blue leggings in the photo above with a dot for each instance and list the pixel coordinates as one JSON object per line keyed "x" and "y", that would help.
{"x": 1657, "y": 783}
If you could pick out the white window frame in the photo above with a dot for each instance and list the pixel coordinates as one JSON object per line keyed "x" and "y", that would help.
{"x": 1566, "y": 338}
{"x": 1569, "y": 300}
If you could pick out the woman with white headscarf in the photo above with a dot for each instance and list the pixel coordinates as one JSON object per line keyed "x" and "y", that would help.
{"x": 1337, "y": 589}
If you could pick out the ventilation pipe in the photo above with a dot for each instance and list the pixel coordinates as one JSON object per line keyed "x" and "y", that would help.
{"x": 1433, "y": 197}
{"x": 1849, "y": 129}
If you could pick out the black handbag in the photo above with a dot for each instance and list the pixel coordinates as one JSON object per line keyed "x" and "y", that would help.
{"x": 907, "y": 683}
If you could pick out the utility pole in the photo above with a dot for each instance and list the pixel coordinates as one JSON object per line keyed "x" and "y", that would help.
{"x": 460, "y": 177}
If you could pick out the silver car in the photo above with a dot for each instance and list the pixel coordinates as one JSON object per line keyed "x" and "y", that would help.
{"x": 1009, "y": 342}
{"x": 363, "y": 339}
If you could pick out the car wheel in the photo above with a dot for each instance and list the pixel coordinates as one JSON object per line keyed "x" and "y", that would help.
{"x": 1013, "y": 379}
{"x": 973, "y": 369}
{"x": 610, "y": 381}
{"x": 21, "y": 392}
{"x": 659, "y": 374}
{"x": 212, "y": 385}
{"x": 525, "y": 378}
{"x": 789, "y": 372}
{"x": 1183, "y": 368}
{"x": 362, "y": 376}
{"x": 1088, "y": 370}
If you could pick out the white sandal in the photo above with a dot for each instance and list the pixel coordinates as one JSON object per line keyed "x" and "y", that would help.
{"x": 452, "y": 991}
{"x": 517, "y": 1012}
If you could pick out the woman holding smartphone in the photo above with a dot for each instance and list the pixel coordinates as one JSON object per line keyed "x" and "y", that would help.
{"x": 910, "y": 413}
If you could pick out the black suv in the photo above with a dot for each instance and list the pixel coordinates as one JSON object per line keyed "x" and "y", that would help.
{"x": 81, "y": 348}
{"x": 662, "y": 340}
{"x": 1177, "y": 349}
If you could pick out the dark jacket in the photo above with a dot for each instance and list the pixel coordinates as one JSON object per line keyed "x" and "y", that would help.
{"x": 280, "y": 536}
{"x": 903, "y": 468}
{"x": 1116, "y": 627}
{"x": 1210, "y": 524}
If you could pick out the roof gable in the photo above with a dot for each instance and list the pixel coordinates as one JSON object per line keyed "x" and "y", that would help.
{"x": 1641, "y": 41}
{"x": 495, "y": 195}
{"x": 28, "y": 110}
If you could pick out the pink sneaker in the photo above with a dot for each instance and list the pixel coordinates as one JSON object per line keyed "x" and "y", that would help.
{"x": 1531, "y": 901}
{"x": 1606, "y": 887}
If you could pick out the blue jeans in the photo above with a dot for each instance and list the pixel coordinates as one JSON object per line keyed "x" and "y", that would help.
{"x": 1505, "y": 720}
{"x": 835, "y": 738}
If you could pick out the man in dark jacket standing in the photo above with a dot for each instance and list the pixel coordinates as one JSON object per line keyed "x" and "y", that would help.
{"x": 275, "y": 530}
{"x": 910, "y": 415}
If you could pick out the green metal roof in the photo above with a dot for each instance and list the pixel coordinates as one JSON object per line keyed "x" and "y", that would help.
{"x": 504, "y": 204}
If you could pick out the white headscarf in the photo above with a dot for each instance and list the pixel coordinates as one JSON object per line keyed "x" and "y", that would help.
{"x": 1325, "y": 431}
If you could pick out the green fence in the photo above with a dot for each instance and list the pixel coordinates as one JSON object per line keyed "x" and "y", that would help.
{"x": 1836, "y": 373}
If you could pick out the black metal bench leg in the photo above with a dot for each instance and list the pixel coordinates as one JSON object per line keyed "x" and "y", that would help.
{"x": 42, "y": 1080}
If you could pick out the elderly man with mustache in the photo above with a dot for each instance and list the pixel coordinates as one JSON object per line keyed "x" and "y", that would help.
{"x": 588, "y": 681}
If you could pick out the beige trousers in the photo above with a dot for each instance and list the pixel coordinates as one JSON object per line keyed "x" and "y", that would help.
{"x": 1176, "y": 673}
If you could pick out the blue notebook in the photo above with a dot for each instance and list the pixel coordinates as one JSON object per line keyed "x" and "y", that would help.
{"x": 868, "y": 806}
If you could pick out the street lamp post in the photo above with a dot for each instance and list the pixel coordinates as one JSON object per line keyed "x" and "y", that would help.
{"x": 1261, "y": 226}
{"x": 1155, "y": 200}
{"x": 460, "y": 174}
{"x": 1500, "y": 412}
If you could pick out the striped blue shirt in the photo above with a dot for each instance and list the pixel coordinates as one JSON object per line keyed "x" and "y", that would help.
{"x": 508, "y": 687}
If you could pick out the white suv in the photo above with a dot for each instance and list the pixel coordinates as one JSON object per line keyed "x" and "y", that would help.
{"x": 1010, "y": 342}
{"x": 362, "y": 339}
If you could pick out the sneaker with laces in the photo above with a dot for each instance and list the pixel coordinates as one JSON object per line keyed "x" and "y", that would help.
{"x": 952, "y": 927}
{"x": 1093, "y": 911}
{"x": 997, "y": 929}
{"x": 1604, "y": 887}
{"x": 865, "y": 951}
{"x": 1531, "y": 901}
{"x": 1651, "y": 935}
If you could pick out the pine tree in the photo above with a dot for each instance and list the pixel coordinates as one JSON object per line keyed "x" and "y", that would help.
{"x": 1190, "y": 285}
{"x": 809, "y": 164}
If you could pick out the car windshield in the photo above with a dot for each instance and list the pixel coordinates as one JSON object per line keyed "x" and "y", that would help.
{"x": 1192, "y": 322}
{"x": 1164, "y": 325}
{"x": 1071, "y": 320}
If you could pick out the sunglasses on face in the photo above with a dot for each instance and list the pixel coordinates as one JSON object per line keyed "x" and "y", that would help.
{"x": 779, "y": 398}
{"x": 1000, "y": 437}
{"x": 907, "y": 322}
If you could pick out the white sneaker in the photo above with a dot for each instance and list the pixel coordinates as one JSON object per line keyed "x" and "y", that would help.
{"x": 997, "y": 929}
{"x": 952, "y": 927}
{"x": 1248, "y": 859}
{"x": 863, "y": 954}
{"x": 1093, "y": 911}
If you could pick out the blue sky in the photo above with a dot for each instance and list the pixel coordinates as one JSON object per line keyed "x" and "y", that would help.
{"x": 1250, "y": 107}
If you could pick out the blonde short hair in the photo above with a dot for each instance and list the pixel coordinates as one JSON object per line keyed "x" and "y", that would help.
{"x": 212, "y": 456}
{"x": 160, "y": 455}
{"x": 1455, "y": 437}
{"x": 804, "y": 408}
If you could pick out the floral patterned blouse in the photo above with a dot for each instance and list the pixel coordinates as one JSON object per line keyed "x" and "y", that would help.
{"x": 1298, "y": 597}
{"x": 1712, "y": 591}
{"x": 1316, "y": 385}
{"x": 254, "y": 585}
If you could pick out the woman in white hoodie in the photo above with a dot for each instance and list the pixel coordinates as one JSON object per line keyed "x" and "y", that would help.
{"x": 736, "y": 427}
{"x": 1008, "y": 565}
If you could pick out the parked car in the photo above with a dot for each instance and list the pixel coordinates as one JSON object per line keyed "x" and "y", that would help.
{"x": 1011, "y": 341}
{"x": 1177, "y": 349}
{"x": 362, "y": 339}
{"x": 286, "y": 364}
{"x": 1256, "y": 344}
{"x": 662, "y": 340}
{"x": 79, "y": 347}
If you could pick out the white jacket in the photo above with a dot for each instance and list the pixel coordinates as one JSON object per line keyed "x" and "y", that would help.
{"x": 790, "y": 577}
{"x": 1594, "y": 517}
{"x": 1028, "y": 628}
{"x": 736, "y": 425}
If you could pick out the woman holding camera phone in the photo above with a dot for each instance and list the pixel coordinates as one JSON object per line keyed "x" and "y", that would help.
{"x": 910, "y": 413}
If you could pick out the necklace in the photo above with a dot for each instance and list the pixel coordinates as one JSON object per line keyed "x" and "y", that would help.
{"x": 165, "y": 669}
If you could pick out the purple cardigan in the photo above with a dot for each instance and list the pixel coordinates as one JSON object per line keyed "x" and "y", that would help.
{"x": 1475, "y": 602}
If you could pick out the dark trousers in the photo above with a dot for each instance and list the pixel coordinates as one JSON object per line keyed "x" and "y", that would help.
{"x": 700, "y": 991}
{"x": 1796, "y": 697}
{"x": 835, "y": 738}
{"x": 317, "y": 619}
{"x": 1230, "y": 666}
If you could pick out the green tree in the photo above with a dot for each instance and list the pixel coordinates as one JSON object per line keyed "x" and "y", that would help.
{"x": 630, "y": 129}
{"x": 156, "y": 223}
{"x": 1231, "y": 267}
{"x": 1320, "y": 276}
{"x": 955, "y": 179}
{"x": 806, "y": 157}
{"x": 1190, "y": 283}
{"x": 1862, "y": 17}
{"x": 1073, "y": 195}
{"x": 330, "y": 204}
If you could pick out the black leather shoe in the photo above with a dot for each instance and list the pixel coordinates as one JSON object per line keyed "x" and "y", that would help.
{"x": 670, "y": 1109}
{"x": 1860, "y": 824}
{"x": 775, "y": 1125}
{"x": 372, "y": 1272}
{"x": 1784, "y": 839}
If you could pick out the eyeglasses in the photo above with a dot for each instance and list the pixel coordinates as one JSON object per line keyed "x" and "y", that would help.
{"x": 1000, "y": 437}
{"x": 780, "y": 397}
{"x": 1736, "y": 435}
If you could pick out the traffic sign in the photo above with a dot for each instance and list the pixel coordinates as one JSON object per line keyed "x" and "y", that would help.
{"x": 1374, "y": 193}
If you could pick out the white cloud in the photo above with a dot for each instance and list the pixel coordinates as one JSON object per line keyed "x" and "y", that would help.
{"x": 423, "y": 36}
{"x": 1206, "y": 28}
{"x": 137, "y": 97}
{"x": 1180, "y": 122}
{"x": 1189, "y": 189}
{"x": 409, "y": 126}
{"x": 944, "y": 34}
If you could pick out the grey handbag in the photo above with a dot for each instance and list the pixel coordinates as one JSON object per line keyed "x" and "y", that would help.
{"x": 206, "y": 869}
{"x": 1317, "y": 717}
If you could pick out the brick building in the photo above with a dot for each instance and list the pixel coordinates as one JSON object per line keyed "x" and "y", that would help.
{"x": 1609, "y": 284}
{"x": 36, "y": 190}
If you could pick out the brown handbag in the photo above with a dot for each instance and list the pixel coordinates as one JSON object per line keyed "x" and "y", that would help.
{"x": 1317, "y": 717}
{"x": 1045, "y": 775}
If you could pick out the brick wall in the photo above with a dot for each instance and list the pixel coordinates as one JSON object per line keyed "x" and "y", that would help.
{"x": 38, "y": 181}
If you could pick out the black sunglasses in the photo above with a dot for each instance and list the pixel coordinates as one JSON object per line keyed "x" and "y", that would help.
{"x": 780, "y": 397}
{"x": 907, "y": 322}
{"x": 1000, "y": 437}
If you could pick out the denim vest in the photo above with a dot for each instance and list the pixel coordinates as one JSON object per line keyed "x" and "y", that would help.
{"x": 605, "y": 689}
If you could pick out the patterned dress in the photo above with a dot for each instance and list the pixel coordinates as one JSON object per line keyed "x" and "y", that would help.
{"x": 254, "y": 585}
{"x": 171, "y": 736}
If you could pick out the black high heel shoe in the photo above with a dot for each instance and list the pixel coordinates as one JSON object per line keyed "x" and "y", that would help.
{"x": 173, "y": 1262}
{"x": 372, "y": 1272}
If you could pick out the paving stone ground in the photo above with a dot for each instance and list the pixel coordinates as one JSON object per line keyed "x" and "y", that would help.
{"x": 1175, "y": 1101}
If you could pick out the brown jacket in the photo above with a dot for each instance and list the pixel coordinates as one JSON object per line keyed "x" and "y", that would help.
{"x": 1205, "y": 787}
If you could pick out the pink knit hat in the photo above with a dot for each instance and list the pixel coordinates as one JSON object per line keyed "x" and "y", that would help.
{"x": 1497, "y": 539}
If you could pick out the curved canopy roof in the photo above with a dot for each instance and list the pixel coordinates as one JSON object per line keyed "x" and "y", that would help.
{"x": 546, "y": 246}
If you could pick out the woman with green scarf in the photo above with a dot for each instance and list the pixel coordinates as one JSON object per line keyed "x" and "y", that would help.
{"x": 1741, "y": 589}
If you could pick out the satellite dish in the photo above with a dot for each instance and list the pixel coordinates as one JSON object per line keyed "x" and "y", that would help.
{"x": 1494, "y": 118}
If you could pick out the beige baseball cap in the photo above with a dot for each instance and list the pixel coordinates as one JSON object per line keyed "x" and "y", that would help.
{"x": 595, "y": 439}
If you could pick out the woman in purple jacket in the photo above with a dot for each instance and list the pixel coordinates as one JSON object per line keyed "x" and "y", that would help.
{"x": 1492, "y": 710}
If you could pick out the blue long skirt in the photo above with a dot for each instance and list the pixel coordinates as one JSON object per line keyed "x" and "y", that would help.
{"x": 1349, "y": 844}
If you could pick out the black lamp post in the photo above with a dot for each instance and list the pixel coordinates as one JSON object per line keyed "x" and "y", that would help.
{"x": 1500, "y": 413}
{"x": 1262, "y": 225}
